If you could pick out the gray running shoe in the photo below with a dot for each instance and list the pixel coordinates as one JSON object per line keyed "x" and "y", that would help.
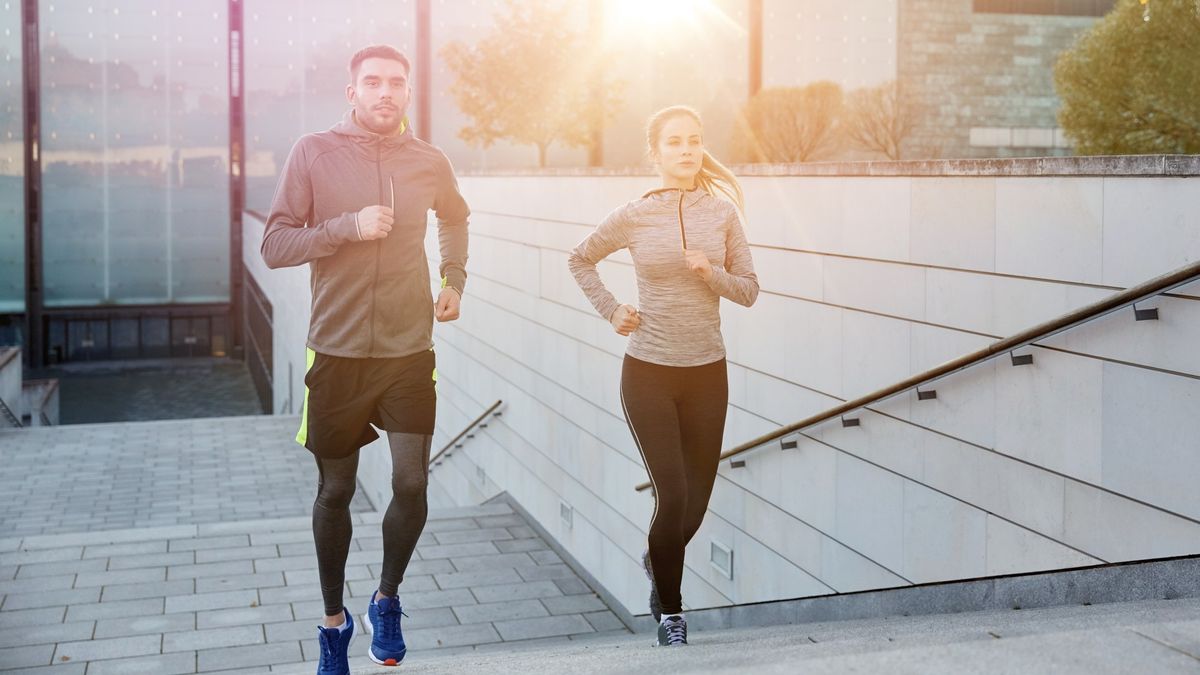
{"x": 672, "y": 632}
{"x": 655, "y": 605}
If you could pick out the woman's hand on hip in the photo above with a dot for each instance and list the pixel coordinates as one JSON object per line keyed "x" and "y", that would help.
{"x": 698, "y": 263}
{"x": 625, "y": 319}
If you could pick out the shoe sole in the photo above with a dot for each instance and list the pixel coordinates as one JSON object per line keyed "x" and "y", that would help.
{"x": 387, "y": 662}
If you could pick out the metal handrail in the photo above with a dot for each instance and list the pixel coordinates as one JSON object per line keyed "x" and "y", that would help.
{"x": 1130, "y": 296}
{"x": 433, "y": 460}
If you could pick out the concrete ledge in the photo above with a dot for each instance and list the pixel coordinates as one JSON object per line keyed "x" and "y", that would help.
{"x": 1100, "y": 165}
{"x": 1165, "y": 579}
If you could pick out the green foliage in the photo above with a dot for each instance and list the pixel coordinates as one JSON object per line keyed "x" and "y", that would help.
{"x": 1132, "y": 86}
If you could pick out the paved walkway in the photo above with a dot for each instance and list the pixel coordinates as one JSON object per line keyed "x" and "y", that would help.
{"x": 152, "y": 389}
{"x": 81, "y": 478}
{"x": 194, "y": 586}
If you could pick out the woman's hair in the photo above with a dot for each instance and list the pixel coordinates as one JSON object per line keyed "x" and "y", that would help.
{"x": 713, "y": 175}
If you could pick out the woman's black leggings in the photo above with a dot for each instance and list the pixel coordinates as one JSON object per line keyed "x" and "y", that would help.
{"x": 402, "y": 522}
{"x": 677, "y": 416}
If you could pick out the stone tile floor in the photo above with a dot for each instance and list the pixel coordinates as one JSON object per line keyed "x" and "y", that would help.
{"x": 193, "y": 583}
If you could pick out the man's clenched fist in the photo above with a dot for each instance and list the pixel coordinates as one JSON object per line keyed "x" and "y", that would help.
{"x": 374, "y": 222}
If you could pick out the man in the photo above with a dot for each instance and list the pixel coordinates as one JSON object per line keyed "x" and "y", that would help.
{"x": 353, "y": 203}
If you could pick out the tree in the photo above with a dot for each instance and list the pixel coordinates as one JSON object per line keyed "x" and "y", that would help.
{"x": 1131, "y": 84}
{"x": 875, "y": 119}
{"x": 525, "y": 80}
{"x": 789, "y": 124}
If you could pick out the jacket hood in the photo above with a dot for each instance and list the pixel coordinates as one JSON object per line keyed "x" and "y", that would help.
{"x": 350, "y": 129}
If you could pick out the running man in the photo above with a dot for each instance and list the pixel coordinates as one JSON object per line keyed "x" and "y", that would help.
{"x": 353, "y": 203}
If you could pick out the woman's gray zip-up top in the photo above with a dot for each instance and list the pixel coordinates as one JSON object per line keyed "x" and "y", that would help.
{"x": 680, "y": 316}
{"x": 370, "y": 299}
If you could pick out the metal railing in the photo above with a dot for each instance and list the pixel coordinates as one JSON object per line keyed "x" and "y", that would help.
{"x": 455, "y": 442}
{"x": 1113, "y": 303}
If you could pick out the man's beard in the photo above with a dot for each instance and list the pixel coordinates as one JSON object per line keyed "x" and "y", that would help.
{"x": 383, "y": 128}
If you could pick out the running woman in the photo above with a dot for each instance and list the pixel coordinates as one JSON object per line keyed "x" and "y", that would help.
{"x": 688, "y": 251}
{"x": 353, "y": 202}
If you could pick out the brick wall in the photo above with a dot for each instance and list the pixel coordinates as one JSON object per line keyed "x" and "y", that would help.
{"x": 982, "y": 84}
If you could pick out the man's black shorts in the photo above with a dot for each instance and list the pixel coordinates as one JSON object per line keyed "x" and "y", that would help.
{"x": 344, "y": 397}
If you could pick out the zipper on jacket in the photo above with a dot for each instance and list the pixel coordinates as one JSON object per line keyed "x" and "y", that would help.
{"x": 682, "y": 234}
{"x": 378, "y": 245}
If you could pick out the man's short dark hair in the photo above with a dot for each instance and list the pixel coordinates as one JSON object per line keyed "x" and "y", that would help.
{"x": 376, "y": 52}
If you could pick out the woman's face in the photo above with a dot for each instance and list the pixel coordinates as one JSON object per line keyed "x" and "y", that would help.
{"x": 680, "y": 148}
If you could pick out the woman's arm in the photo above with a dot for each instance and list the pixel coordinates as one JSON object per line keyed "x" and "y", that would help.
{"x": 611, "y": 235}
{"x": 736, "y": 280}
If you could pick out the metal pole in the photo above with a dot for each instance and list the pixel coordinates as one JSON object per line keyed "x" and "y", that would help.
{"x": 34, "y": 330}
{"x": 237, "y": 176}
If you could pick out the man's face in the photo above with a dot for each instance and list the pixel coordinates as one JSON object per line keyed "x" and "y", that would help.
{"x": 380, "y": 95}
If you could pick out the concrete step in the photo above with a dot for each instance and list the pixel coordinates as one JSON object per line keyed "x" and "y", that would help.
{"x": 1161, "y": 636}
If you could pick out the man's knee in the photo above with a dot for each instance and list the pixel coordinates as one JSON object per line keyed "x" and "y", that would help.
{"x": 407, "y": 486}
{"x": 336, "y": 495}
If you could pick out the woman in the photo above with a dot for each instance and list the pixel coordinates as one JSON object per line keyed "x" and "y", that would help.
{"x": 688, "y": 251}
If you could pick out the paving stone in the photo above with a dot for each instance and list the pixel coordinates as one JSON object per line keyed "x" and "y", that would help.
{"x": 546, "y": 572}
{"x": 148, "y": 590}
{"x": 495, "y": 561}
{"x": 469, "y": 536}
{"x": 573, "y": 586}
{"x": 450, "y": 636}
{"x": 59, "y": 669}
{"x": 545, "y": 557}
{"x": 147, "y": 575}
{"x": 238, "y": 582}
{"x": 19, "y": 636}
{"x": 511, "y": 592}
{"x": 519, "y": 545}
{"x": 114, "y": 609}
{"x": 449, "y": 525}
{"x": 522, "y": 532}
{"x": 111, "y": 648}
{"x": 216, "y": 569}
{"x": 481, "y": 578}
{"x": 311, "y": 577}
{"x": 574, "y": 604}
{"x": 32, "y": 617}
{"x": 157, "y": 664}
{"x": 14, "y": 601}
{"x": 26, "y": 657}
{"x": 152, "y": 560}
{"x": 479, "y": 548}
{"x": 604, "y": 621}
{"x": 41, "y": 556}
{"x": 206, "y": 601}
{"x": 242, "y": 616}
{"x": 143, "y": 625}
{"x": 199, "y": 543}
{"x": 524, "y": 629}
{"x": 213, "y": 638}
{"x": 434, "y": 599}
{"x": 226, "y": 658}
{"x": 500, "y": 611}
{"x": 57, "y": 582}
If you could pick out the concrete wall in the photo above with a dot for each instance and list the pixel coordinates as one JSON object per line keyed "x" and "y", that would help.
{"x": 1083, "y": 457}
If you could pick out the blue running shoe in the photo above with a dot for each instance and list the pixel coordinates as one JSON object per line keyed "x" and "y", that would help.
{"x": 334, "y": 646}
{"x": 387, "y": 641}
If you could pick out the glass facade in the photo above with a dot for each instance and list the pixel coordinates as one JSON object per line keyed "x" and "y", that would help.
{"x": 12, "y": 162}
{"x": 135, "y": 140}
{"x": 297, "y": 55}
